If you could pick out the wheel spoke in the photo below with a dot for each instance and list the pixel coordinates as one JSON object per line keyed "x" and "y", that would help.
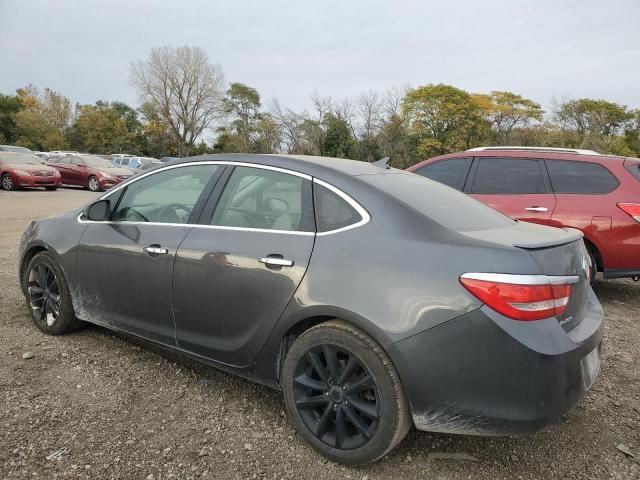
{"x": 341, "y": 428}
{"x": 40, "y": 277}
{"x": 321, "y": 427}
{"x": 357, "y": 422}
{"x": 317, "y": 366}
{"x": 35, "y": 290}
{"x": 331, "y": 357}
{"x": 352, "y": 363}
{"x": 43, "y": 311}
{"x": 53, "y": 308}
{"x": 368, "y": 408}
{"x": 314, "y": 401}
{"x": 306, "y": 381}
{"x": 362, "y": 384}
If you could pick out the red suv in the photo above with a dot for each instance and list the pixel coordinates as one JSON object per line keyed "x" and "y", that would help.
{"x": 597, "y": 194}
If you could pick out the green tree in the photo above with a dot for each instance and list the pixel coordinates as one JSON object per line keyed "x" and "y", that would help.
{"x": 443, "y": 119}
{"x": 158, "y": 140}
{"x": 242, "y": 104}
{"x": 506, "y": 111}
{"x": 9, "y": 106}
{"x": 589, "y": 123}
{"x": 44, "y": 122}
{"x": 338, "y": 139}
{"x": 107, "y": 128}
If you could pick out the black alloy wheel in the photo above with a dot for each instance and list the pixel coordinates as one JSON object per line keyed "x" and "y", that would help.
{"x": 43, "y": 292}
{"x": 336, "y": 397}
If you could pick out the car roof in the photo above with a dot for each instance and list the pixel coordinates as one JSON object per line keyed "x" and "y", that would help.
{"x": 309, "y": 164}
{"x": 542, "y": 154}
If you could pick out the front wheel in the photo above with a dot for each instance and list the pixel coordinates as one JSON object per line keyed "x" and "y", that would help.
{"x": 48, "y": 296}
{"x": 93, "y": 184}
{"x": 344, "y": 395}
{"x": 7, "y": 182}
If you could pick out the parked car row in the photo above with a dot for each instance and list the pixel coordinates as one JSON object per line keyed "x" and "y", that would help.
{"x": 68, "y": 167}
{"x": 373, "y": 298}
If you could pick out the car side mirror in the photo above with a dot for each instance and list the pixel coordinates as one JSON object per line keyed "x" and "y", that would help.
{"x": 98, "y": 211}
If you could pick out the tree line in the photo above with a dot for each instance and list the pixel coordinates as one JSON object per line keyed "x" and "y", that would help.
{"x": 184, "y": 99}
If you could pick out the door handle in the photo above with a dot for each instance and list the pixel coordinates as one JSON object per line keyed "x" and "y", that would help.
{"x": 537, "y": 209}
{"x": 153, "y": 250}
{"x": 276, "y": 262}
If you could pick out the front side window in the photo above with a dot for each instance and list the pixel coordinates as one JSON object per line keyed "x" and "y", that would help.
{"x": 168, "y": 196}
{"x": 508, "y": 176}
{"x": 452, "y": 172}
{"x": 332, "y": 211}
{"x": 580, "y": 177}
{"x": 265, "y": 199}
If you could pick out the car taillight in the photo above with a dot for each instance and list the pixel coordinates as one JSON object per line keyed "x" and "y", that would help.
{"x": 633, "y": 209}
{"x": 521, "y": 297}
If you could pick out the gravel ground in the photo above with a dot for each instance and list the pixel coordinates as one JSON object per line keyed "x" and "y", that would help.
{"x": 96, "y": 405}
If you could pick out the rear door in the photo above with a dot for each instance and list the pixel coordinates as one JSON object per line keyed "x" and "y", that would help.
{"x": 63, "y": 165}
{"x": 452, "y": 172}
{"x": 517, "y": 187}
{"x": 235, "y": 273}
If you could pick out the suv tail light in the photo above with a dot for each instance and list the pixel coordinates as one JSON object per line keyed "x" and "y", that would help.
{"x": 632, "y": 209}
{"x": 521, "y": 297}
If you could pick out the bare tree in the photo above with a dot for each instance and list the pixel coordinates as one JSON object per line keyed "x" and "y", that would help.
{"x": 289, "y": 122}
{"x": 393, "y": 100}
{"x": 186, "y": 89}
{"x": 369, "y": 109}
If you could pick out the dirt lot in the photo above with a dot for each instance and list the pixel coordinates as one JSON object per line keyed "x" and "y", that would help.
{"x": 114, "y": 410}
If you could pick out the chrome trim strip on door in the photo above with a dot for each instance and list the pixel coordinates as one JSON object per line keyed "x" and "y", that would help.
{"x": 365, "y": 217}
{"x": 523, "y": 279}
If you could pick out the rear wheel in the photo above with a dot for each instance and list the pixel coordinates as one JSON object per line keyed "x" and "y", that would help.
{"x": 93, "y": 184}
{"x": 48, "y": 296}
{"x": 344, "y": 395}
{"x": 7, "y": 182}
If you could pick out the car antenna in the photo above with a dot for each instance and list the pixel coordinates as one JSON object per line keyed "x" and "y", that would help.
{"x": 382, "y": 163}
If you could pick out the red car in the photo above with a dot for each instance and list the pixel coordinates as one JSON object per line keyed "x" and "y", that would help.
{"x": 26, "y": 170}
{"x": 89, "y": 171}
{"x": 597, "y": 194}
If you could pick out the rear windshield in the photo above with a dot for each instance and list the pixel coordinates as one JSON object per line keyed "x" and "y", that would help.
{"x": 442, "y": 204}
{"x": 14, "y": 158}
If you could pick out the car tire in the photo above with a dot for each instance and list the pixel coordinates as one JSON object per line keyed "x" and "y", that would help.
{"x": 593, "y": 269}
{"x": 48, "y": 296}
{"x": 356, "y": 418}
{"x": 7, "y": 182}
{"x": 51, "y": 189}
{"x": 93, "y": 184}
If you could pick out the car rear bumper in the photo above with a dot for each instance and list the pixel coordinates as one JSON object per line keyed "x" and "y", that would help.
{"x": 485, "y": 374}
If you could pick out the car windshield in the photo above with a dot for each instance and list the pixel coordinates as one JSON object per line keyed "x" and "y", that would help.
{"x": 444, "y": 205}
{"x": 97, "y": 162}
{"x": 14, "y": 158}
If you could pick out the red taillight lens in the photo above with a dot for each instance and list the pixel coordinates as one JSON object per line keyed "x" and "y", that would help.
{"x": 632, "y": 209}
{"x": 520, "y": 302}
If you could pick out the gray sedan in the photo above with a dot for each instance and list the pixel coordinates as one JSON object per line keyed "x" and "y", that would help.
{"x": 375, "y": 299}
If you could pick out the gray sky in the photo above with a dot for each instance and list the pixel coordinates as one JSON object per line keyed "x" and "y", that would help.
{"x": 289, "y": 48}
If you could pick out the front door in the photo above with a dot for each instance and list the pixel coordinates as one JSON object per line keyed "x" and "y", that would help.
{"x": 235, "y": 274}
{"x": 125, "y": 264}
{"x": 517, "y": 187}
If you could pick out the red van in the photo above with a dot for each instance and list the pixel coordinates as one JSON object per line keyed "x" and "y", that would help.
{"x": 597, "y": 194}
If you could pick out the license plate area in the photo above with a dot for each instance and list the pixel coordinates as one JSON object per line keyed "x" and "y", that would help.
{"x": 590, "y": 365}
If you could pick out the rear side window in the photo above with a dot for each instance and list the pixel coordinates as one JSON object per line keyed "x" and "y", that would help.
{"x": 443, "y": 205}
{"x": 506, "y": 175}
{"x": 450, "y": 172}
{"x": 634, "y": 168}
{"x": 580, "y": 177}
{"x": 332, "y": 211}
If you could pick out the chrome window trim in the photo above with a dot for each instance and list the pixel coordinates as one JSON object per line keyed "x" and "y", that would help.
{"x": 523, "y": 279}
{"x": 365, "y": 217}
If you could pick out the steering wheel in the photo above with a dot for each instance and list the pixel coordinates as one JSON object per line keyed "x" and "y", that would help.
{"x": 169, "y": 214}
{"x": 124, "y": 213}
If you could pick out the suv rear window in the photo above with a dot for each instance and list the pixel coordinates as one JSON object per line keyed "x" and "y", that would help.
{"x": 504, "y": 175}
{"x": 580, "y": 177}
{"x": 443, "y": 205}
{"x": 450, "y": 172}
